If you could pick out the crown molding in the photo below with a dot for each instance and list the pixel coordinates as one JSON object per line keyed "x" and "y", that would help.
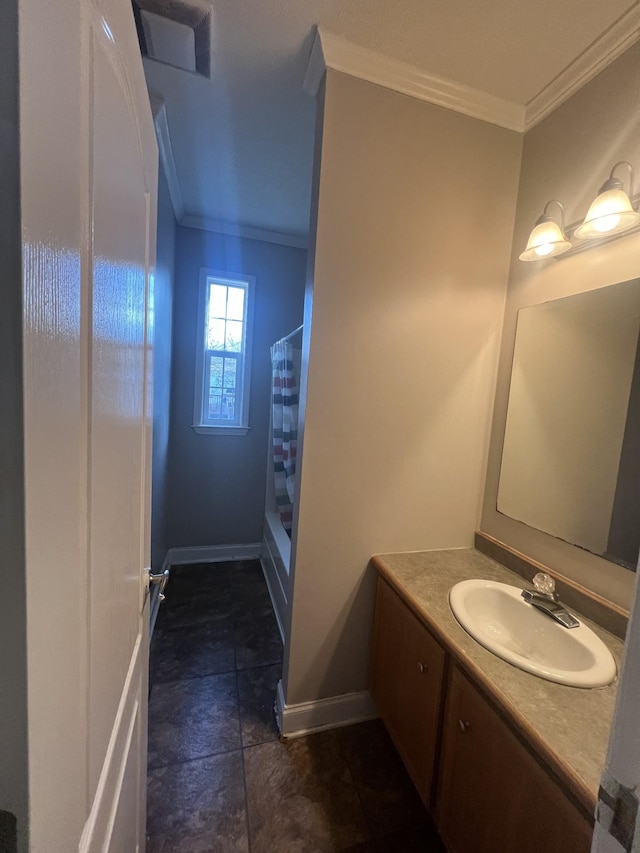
{"x": 246, "y": 232}
{"x": 165, "y": 150}
{"x": 602, "y": 52}
{"x": 335, "y": 52}
{"x": 331, "y": 51}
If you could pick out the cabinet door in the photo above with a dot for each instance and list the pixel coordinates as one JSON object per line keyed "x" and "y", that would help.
{"x": 494, "y": 797}
{"x": 406, "y": 684}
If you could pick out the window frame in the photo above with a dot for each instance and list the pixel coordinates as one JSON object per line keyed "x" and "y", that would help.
{"x": 240, "y": 426}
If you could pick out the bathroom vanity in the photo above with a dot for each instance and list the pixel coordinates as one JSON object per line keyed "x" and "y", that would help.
{"x": 505, "y": 761}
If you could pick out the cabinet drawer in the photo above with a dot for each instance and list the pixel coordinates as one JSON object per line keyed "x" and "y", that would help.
{"x": 406, "y": 684}
{"x": 493, "y": 795}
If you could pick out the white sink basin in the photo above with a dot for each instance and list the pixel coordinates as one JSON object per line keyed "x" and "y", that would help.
{"x": 496, "y": 615}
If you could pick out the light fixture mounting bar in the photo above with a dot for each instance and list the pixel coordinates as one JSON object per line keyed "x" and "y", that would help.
{"x": 585, "y": 245}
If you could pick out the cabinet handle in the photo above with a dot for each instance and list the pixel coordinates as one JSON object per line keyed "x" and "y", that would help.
{"x": 463, "y": 726}
{"x": 423, "y": 667}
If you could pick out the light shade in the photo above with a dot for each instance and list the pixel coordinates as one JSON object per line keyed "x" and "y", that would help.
{"x": 545, "y": 241}
{"x": 610, "y": 213}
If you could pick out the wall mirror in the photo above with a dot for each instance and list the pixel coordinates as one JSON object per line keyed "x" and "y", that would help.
{"x": 571, "y": 454}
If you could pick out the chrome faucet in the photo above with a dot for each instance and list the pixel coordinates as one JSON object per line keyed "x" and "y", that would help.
{"x": 544, "y": 597}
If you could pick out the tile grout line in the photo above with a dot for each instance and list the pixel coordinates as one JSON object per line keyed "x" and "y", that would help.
{"x": 365, "y": 811}
{"x": 195, "y": 677}
{"x": 246, "y": 800}
{"x": 240, "y": 719}
{"x": 183, "y": 761}
{"x": 242, "y": 748}
{"x": 235, "y": 671}
{"x": 231, "y": 615}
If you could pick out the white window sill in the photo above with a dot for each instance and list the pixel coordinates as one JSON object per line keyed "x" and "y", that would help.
{"x": 220, "y": 430}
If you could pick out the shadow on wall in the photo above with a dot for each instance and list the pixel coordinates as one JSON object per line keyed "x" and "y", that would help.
{"x": 330, "y": 663}
{"x": 162, "y": 319}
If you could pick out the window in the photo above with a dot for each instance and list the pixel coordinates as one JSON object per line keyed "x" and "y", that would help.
{"x": 223, "y": 358}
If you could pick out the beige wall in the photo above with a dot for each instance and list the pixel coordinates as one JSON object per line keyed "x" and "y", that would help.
{"x": 568, "y": 156}
{"x": 415, "y": 217}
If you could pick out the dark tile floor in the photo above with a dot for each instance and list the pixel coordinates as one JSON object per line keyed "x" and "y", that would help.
{"x": 220, "y": 780}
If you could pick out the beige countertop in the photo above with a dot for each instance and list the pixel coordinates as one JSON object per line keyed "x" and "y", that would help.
{"x": 568, "y": 726}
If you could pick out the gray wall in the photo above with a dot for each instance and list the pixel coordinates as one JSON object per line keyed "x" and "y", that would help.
{"x": 567, "y": 156}
{"x": 13, "y": 664}
{"x": 217, "y": 482}
{"x": 163, "y": 310}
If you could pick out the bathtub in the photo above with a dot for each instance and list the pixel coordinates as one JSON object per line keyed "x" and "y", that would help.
{"x": 276, "y": 560}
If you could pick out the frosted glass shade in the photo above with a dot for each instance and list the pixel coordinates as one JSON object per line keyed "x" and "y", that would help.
{"x": 545, "y": 241}
{"x": 610, "y": 213}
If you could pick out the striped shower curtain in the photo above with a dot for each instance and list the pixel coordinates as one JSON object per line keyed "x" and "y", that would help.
{"x": 285, "y": 429}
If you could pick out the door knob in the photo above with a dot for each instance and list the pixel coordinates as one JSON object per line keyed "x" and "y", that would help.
{"x": 160, "y": 577}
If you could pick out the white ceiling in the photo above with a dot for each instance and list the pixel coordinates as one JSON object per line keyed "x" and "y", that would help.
{"x": 243, "y": 141}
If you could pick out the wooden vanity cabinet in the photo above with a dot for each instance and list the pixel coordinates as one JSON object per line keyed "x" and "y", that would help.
{"x": 406, "y": 684}
{"x": 493, "y": 795}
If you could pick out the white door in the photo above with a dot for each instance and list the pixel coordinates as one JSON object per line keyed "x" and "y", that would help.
{"x": 617, "y": 826}
{"x": 88, "y": 193}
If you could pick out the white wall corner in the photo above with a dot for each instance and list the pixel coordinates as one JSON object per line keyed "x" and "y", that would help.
{"x": 165, "y": 149}
{"x": 601, "y": 53}
{"x": 335, "y": 52}
{"x": 337, "y": 711}
{"x": 316, "y": 68}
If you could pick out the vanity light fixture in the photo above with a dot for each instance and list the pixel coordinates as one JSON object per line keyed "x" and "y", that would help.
{"x": 547, "y": 238}
{"x": 611, "y": 212}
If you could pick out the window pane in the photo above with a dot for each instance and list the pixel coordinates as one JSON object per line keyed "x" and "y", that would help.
{"x": 215, "y": 404}
{"x": 215, "y": 334}
{"x": 223, "y": 353}
{"x": 230, "y": 373}
{"x": 228, "y": 411}
{"x": 234, "y": 336}
{"x": 214, "y": 390}
{"x": 229, "y": 390}
{"x": 235, "y": 303}
{"x": 217, "y": 301}
{"x": 215, "y": 372}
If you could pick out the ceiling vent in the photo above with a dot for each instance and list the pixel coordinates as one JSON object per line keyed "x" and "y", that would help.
{"x": 175, "y": 33}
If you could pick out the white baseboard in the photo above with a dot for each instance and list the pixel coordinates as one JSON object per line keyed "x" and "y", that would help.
{"x": 212, "y": 554}
{"x": 321, "y": 714}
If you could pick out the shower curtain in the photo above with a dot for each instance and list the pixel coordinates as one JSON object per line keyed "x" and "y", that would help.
{"x": 285, "y": 429}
